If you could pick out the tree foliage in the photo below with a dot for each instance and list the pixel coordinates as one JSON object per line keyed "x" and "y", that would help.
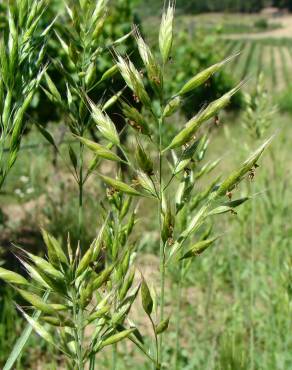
{"x": 224, "y": 5}
{"x": 287, "y": 4}
{"x": 200, "y": 6}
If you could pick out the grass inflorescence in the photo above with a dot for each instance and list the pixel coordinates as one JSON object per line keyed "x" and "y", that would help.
{"x": 80, "y": 296}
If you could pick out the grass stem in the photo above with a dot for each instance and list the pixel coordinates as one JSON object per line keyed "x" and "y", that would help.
{"x": 253, "y": 220}
{"x": 114, "y": 357}
{"x": 78, "y": 331}
{"x": 80, "y": 185}
{"x": 178, "y": 318}
{"x": 161, "y": 252}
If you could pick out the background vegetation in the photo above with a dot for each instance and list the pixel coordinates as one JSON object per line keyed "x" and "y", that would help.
{"x": 200, "y": 6}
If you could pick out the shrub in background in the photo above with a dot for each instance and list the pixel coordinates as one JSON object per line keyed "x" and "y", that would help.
{"x": 284, "y": 101}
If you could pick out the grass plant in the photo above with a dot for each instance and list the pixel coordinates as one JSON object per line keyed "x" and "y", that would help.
{"x": 75, "y": 289}
{"x": 22, "y": 51}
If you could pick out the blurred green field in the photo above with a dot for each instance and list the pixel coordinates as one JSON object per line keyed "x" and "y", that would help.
{"x": 265, "y": 49}
{"x": 271, "y": 57}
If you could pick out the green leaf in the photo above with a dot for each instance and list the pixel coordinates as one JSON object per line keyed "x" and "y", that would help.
{"x": 46, "y": 135}
{"x": 73, "y": 157}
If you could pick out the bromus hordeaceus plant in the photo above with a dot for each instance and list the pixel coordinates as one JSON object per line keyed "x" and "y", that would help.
{"x": 93, "y": 287}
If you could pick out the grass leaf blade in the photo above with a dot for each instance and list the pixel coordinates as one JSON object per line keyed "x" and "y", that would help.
{"x": 22, "y": 340}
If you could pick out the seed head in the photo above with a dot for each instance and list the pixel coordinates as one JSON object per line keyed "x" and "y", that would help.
{"x": 235, "y": 177}
{"x": 151, "y": 65}
{"x": 166, "y": 32}
{"x": 133, "y": 79}
{"x": 144, "y": 161}
{"x": 195, "y": 123}
{"x": 12, "y": 277}
{"x": 109, "y": 73}
{"x": 100, "y": 10}
{"x": 146, "y": 183}
{"x": 136, "y": 119}
{"x": 104, "y": 124}
{"x": 172, "y": 106}
{"x": 203, "y": 76}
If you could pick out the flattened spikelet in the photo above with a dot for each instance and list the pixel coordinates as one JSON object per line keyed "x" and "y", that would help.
{"x": 166, "y": 32}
